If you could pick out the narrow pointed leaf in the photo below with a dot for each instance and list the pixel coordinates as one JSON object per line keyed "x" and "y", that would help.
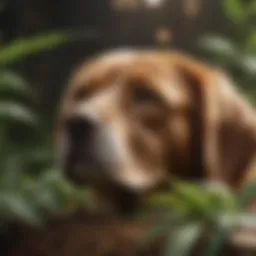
{"x": 12, "y": 111}
{"x": 183, "y": 239}
{"x": 17, "y": 206}
{"x": 12, "y": 83}
{"x": 216, "y": 242}
{"x": 21, "y": 48}
{"x": 218, "y": 45}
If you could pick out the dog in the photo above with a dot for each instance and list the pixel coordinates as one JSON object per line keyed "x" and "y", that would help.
{"x": 131, "y": 119}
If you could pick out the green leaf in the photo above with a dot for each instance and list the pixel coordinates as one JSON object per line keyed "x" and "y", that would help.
{"x": 21, "y": 48}
{"x": 12, "y": 111}
{"x": 163, "y": 223}
{"x": 247, "y": 220}
{"x": 216, "y": 242}
{"x": 16, "y": 206}
{"x": 193, "y": 195}
{"x": 221, "y": 198}
{"x": 250, "y": 44}
{"x": 244, "y": 220}
{"x": 46, "y": 198}
{"x": 219, "y": 46}
{"x": 248, "y": 64}
{"x": 183, "y": 239}
{"x": 168, "y": 200}
{"x": 12, "y": 83}
{"x": 251, "y": 8}
{"x": 201, "y": 202}
{"x": 235, "y": 9}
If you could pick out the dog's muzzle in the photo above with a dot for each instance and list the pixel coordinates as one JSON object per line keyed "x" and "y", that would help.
{"x": 89, "y": 153}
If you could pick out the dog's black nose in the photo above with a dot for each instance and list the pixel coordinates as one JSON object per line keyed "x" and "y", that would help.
{"x": 80, "y": 128}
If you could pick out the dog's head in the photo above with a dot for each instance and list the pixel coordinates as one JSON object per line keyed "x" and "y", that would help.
{"x": 133, "y": 118}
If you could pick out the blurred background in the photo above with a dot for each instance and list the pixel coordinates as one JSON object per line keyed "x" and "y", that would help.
{"x": 42, "y": 41}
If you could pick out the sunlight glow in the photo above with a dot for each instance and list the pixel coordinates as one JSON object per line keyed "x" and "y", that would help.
{"x": 153, "y": 3}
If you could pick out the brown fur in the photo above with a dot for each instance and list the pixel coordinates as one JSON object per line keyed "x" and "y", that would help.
{"x": 197, "y": 127}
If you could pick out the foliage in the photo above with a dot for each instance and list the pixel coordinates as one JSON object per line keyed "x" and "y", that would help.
{"x": 236, "y": 54}
{"x": 192, "y": 210}
{"x": 21, "y": 48}
{"x": 30, "y": 185}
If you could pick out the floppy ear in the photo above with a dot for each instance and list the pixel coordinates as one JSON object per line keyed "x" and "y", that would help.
{"x": 225, "y": 126}
{"x": 235, "y": 132}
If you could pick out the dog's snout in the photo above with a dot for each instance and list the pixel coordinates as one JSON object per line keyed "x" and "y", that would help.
{"x": 80, "y": 128}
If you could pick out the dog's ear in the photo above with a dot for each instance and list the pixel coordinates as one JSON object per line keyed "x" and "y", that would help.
{"x": 223, "y": 125}
{"x": 235, "y": 133}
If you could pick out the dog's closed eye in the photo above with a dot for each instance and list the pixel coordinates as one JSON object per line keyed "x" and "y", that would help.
{"x": 147, "y": 106}
{"x": 82, "y": 93}
{"x": 143, "y": 95}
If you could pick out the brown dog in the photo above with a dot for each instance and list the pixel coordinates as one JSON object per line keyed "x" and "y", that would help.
{"x": 129, "y": 119}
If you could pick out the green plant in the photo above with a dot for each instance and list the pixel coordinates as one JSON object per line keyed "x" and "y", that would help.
{"x": 192, "y": 211}
{"x": 30, "y": 185}
{"x": 238, "y": 53}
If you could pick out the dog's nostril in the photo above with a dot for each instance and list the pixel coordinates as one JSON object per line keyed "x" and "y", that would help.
{"x": 80, "y": 127}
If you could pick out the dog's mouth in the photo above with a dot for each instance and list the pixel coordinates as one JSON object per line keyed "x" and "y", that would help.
{"x": 131, "y": 203}
{"x": 124, "y": 200}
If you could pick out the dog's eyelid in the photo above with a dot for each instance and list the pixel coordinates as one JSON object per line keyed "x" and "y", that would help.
{"x": 82, "y": 93}
{"x": 141, "y": 94}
